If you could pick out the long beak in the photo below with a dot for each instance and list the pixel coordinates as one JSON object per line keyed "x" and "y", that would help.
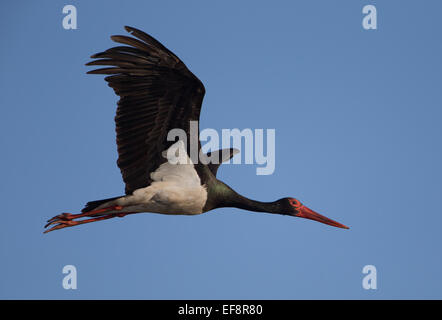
{"x": 307, "y": 213}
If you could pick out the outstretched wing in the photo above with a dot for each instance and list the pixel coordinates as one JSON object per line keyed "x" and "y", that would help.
{"x": 157, "y": 93}
{"x": 220, "y": 156}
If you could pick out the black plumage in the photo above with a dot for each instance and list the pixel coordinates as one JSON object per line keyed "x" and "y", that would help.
{"x": 157, "y": 93}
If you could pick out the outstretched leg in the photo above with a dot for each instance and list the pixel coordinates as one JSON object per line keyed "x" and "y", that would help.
{"x": 67, "y": 219}
{"x": 70, "y": 216}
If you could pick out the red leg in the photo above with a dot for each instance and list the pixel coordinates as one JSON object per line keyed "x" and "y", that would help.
{"x": 70, "y": 223}
{"x": 70, "y": 216}
{"x": 67, "y": 219}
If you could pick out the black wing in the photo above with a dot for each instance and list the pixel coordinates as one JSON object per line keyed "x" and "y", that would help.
{"x": 157, "y": 93}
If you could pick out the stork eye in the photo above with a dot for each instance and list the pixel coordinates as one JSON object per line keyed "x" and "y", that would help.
{"x": 295, "y": 203}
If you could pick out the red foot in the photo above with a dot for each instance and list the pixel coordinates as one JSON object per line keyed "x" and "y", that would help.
{"x": 67, "y": 219}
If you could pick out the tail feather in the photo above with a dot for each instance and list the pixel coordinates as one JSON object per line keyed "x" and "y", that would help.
{"x": 91, "y": 205}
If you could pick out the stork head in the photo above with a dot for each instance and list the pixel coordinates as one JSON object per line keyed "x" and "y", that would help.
{"x": 293, "y": 207}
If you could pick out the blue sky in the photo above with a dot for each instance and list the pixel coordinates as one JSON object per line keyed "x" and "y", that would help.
{"x": 358, "y": 138}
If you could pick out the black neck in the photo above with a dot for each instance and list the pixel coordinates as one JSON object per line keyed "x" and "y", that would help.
{"x": 233, "y": 199}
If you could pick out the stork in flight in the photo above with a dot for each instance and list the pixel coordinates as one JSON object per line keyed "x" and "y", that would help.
{"x": 158, "y": 93}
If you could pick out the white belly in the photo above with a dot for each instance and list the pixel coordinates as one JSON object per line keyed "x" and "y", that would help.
{"x": 165, "y": 197}
{"x": 176, "y": 189}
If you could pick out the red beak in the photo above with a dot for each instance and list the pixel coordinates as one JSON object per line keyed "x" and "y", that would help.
{"x": 307, "y": 213}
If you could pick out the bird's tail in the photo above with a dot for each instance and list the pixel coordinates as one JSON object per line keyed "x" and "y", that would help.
{"x": 91, "y": 205}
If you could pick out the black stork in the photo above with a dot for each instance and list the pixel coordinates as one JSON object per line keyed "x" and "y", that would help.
{"x": 158, "y": 93}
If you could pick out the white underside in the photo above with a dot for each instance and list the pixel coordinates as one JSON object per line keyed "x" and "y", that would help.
{"x": 176, "y": 189}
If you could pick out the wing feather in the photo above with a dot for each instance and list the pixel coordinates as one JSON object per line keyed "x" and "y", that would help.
{"x": 157, "y": 93}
